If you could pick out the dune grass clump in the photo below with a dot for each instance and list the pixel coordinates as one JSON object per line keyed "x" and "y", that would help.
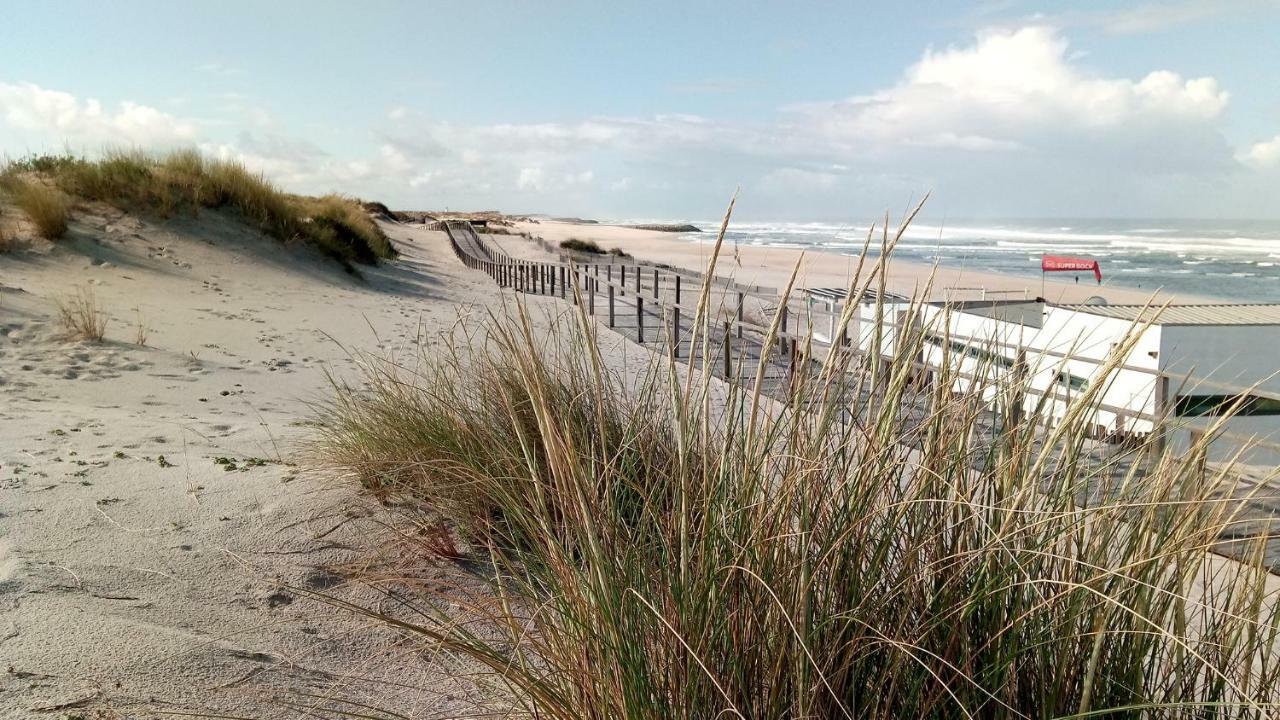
{"x": 185, "y": 180}
{"x": 344, "y": 228}
{"x": 82, "y": 317}
{"x": 866, "y": 547}
{"x": 583, "y": 246}
{"x": 43, "y": 204}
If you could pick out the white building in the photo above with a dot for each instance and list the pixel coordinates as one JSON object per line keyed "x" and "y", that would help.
{"x": 1193, "y": 361}
{"x": 1190, "y": 362}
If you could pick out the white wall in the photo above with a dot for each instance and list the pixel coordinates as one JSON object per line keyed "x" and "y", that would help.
{"x": 1090, "y": 340}
{"x": 991, "y": 336}
{"x": 1238, "y": 356}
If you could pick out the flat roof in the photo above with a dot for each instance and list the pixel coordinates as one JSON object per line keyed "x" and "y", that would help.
{"x": 837, "y": 294}
{"x": 1224, "y": 314}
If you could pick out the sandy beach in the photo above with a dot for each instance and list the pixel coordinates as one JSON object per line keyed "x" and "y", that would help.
{"x": 377, "y": 365}
{"x": 771, "y": 266}
{"x": 157, "y": 535}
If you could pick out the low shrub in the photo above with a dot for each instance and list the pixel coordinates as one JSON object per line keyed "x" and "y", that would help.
{"x": 583, "y": 246}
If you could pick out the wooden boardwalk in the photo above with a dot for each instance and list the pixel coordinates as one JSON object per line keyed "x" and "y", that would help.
{"x": 655, "y": 307}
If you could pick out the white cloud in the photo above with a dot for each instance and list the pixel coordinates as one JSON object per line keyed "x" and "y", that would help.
{"x": 395, "y": 159}
{"x": 1005, "y": 92}
{"x": 62, "y": 117}
{"x": 1013, "y": 122}
{"x": 790, "y": 179}
{"x": 1265, "y": 154}
{"x": 530, "y": 179}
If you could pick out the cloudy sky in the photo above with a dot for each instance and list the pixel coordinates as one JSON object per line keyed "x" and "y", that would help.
{"x": 818, "y": 111}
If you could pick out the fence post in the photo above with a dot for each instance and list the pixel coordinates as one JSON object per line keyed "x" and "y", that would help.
{"x": 591, "y": 302}
{"x": 677, "y": 288}
{"x": 1162, "y": 408}
{"x": 783, "y": 340}
{"x": 639, "y": 318}
{"x": 675, "y": 331}
{"x": 562, "y": 282}
{"x": 637, "y": 281}
{"x": 622, "y": 282}
{"x": 609, "y": 272}
{"x": 727, "y": 350}
{"x": 655, "y": 283}
{"x": 1020, "y": 378}
{"x": 740, "y": 315}
{"x": 611, "y": 305}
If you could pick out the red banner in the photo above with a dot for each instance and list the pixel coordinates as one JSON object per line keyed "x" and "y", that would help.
{"x": 1056, "y": 263}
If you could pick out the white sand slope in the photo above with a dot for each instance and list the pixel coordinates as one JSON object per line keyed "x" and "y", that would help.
{"x": 138, "y": 572}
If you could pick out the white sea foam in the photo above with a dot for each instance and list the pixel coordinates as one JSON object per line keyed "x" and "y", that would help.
{"x": 1194, "y": 256}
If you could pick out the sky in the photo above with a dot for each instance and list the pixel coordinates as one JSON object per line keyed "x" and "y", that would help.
{"x": 818, "y": 111}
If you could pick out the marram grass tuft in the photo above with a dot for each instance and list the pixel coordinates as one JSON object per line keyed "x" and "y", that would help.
{"x": 677, "y": 548}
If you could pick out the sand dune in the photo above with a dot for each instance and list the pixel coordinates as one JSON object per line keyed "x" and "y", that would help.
{"x": 153, "y": 524}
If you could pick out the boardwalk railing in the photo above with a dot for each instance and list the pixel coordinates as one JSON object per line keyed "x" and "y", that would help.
{"x": 651, "y": 305}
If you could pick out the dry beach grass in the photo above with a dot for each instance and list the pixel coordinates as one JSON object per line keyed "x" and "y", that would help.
{"x": 590, "y": 530}
{"x": 186, "y": 181}
{"x": 671, "y": 549}
{"x": 46, "y": 206}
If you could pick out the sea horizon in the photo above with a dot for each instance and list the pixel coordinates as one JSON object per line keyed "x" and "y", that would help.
{"x": 1234, "y": 260}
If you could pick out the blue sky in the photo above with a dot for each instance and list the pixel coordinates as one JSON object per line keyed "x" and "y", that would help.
{"x": 821, "y": 111}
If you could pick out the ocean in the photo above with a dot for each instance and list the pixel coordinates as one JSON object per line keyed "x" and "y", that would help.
{"x": 1235, "y": 260}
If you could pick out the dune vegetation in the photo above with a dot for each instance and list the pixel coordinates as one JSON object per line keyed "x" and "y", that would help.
{"x": 186, "y": 181}
{"x": 45, "y": 205}
{"x": 679, "y": 548}
{"x": 582, "y": 246}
